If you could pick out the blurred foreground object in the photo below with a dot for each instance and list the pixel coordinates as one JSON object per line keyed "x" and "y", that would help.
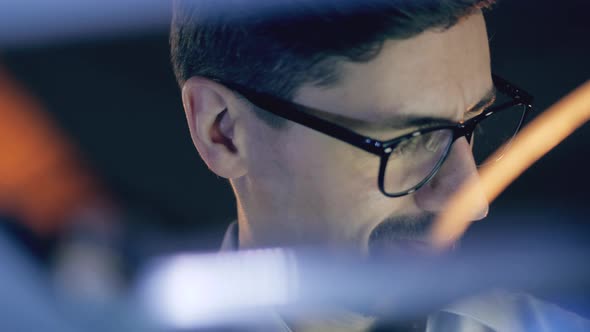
{"x": 249, "y": 289}
{"x": 42, "y": 180}
{"x": 59, "y": 210}
{"x": 30, "y": 302}
{"x": 229, "y": 289}
{"x": 31, "y": 22}
{"x": 26, "y": 303}
{"x": 533, "y": 142}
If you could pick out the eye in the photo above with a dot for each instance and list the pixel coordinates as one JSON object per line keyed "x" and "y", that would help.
{"x": 434, "y": 141}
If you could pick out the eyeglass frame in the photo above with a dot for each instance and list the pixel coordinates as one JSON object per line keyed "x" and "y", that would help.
{"x": 304, "y": 116}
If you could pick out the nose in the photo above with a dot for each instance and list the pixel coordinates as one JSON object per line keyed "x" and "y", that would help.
{"x": 455, "y": 171}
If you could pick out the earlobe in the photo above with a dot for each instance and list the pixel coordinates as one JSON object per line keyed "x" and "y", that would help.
{"x": 212, "y": 126}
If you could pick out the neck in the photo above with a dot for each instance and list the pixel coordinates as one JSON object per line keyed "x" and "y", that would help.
{"x": 245, "y": 238}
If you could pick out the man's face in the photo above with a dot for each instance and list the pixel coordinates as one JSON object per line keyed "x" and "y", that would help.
{"x": 305, "y": 188}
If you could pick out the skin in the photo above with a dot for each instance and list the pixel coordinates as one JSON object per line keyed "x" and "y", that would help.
{"x": 295, "y": 186}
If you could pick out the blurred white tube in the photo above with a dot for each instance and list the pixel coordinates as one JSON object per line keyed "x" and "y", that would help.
{"x": 25, "y": 23}
{"x": 31, "y": 22}
{"x": 190, "y": 291}
{"x": 196, "y": 291}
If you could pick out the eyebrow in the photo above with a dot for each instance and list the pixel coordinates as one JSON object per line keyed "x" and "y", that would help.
{"x": 404, "y": 121}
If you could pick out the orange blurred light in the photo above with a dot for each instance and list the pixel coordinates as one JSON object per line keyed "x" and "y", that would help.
{"x": 42, "y": 181}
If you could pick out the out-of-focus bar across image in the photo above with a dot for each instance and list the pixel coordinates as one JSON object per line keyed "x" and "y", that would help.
{"x": 295, "y": 165}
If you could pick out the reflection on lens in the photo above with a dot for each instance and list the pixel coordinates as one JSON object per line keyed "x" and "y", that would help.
{"x": 496, "y": 130}
{"x": 414, "y": 160}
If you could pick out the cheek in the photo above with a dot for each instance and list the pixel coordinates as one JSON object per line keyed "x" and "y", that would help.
{"x": 330, "y": 167}
{"x": 263, "y": 150}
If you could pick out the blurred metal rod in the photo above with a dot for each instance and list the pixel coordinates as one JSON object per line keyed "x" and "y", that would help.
{"x": 191, "y": 291}
{"x": 26, "y": 23}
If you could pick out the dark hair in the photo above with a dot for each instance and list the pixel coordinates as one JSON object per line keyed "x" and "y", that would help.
{"x": 275, "y": 46}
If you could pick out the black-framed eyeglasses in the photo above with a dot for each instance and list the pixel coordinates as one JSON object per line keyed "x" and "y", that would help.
{"x": 409, "y": 161}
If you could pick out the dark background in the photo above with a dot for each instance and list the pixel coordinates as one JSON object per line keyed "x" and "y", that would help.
{"x": 116, "y": 97}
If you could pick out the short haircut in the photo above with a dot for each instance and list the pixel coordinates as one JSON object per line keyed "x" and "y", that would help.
{"x": 276, "y": 46}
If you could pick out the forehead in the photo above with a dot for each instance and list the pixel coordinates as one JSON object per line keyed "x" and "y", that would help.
{"x": 436, "y": 73}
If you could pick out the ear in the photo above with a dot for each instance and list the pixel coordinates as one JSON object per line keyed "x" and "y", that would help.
{"x": 212, "y": 125}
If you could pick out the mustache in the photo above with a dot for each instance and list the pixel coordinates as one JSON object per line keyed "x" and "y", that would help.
{"x": 396, "y": 228}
